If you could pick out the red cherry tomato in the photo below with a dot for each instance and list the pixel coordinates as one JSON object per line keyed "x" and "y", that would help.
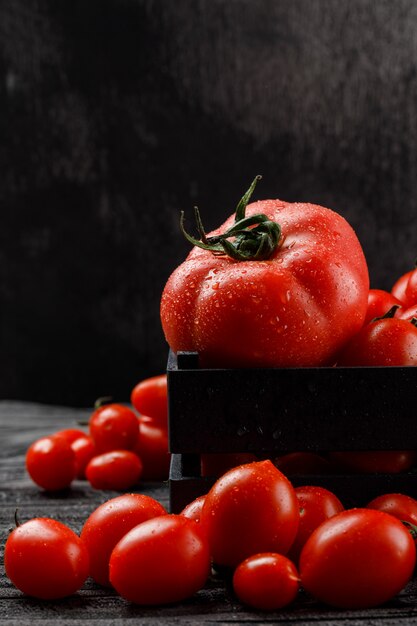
{"x": 218, "y": 464}
{"x": 163, "y": 560}
{"x": 84, "y": 450}
{"x": 388, "y": 341}
{"x": 380, "y": 461}
{"x": 118, "y": 470}
{"x": 316, "y": 505}
{"x": 399, "y": 505}
{"x": 252, "y": 508}
{"x": 149, "y": 397}
{"x": 359, "y": 558}
{"x": 70, "y": 434}
{"x": 46, "y": 559}
{"x": 405, "y": 288}
{"x": 114, "y": 427}
{"x": 152, "y": 447}
{"x": 266, "y": 581}
{"x": 379, "y": 303}
{"x": 51, "y": 464}
{"x": 109, "y": 523}
{"x": 302, "y": 463}
{"x": 193, "y": 509}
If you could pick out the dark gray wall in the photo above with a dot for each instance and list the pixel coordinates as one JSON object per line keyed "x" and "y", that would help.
{"x": 114, "y": 114}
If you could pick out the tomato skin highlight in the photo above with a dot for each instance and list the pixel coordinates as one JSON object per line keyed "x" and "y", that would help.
{"x": 118, "y": 470}
{"x": 298, "y": 308}
{"x": 51, "y": 463}
{"x": 109, "y": 523}
{"x": 163, "y": 560}
{"x": 150, "y": 398}
{"x": 114, "y": 427}
{"x": 359, "y": 558}
{"x": 252, "y": 508}
{"x": 266, "y": 581}
{"x": 46, "y": 559}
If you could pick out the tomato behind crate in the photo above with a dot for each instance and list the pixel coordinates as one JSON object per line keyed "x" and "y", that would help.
{"x": 379, "y": 461}
{"x": 359, "y": 558}
{"x": 46, "y": 559}
{"x": 266, "y": 581}
{"x": 51, "y": 463}
{"x": 109, "y": 523}
{"x": 118, "y": 470}
{"x": 150, "y": 398}
{"x": 279, "y": 284}
{"x": 163, "y": 560}
{"x": 252, "y": 508}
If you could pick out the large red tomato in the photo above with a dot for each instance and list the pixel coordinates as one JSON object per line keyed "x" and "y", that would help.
{"x": 252, "y": 508}
{"x": 357, "y": 559}
{"x": 253, "y": 293}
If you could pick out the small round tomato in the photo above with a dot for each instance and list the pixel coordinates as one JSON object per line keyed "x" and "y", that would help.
{"x": 152, "y": 447}
{"x": 359, "y": 558}
{"x": 193, "y": 509}
{"x": 109, "y": 523}
{"x": 51, "y": 464}
{"x": 45, "y": 559}
{"x": 218, "y": 464}
{"x": 380, "y": 461}
{"x": 316, "y": 505}
{"x": 150, "y": 398}
{"x": 252, "y": 508}
{"x": 302, "y": 463}
{"x": 399, "y": 505}
{"x": 114, "y": 427}
{"x": 163, "y": 560}
{"x": 70, "y": 434}
{"x": 405, "y": 288}
{"x": 379, "y": 303}
{"x": 84, "y": 450}
{"x": 387, "y": 341}
{"x": 266, "y": 581}
{"x": 118, "y": 470}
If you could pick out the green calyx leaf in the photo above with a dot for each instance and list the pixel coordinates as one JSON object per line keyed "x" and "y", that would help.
{"x": 252, "y": 238}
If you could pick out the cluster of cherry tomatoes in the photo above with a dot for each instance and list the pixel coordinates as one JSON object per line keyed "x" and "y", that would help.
{"x": 389, "y": 333}
{"x": 271, "y": 538}
{"x": 120, "y": 449}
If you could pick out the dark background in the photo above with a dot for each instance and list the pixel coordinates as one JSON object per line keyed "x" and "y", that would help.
{"x": 115, "y": 114}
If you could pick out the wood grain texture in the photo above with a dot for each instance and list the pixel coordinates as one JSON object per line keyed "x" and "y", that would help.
{"x": 116, "y": 114}
{"x": 20, "y": 424}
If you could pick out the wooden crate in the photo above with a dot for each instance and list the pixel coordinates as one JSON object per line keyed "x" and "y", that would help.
{"x": 272, "y": 411}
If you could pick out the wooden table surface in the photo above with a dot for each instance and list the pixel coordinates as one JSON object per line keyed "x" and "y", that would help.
{"x": 22, "y": 423}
